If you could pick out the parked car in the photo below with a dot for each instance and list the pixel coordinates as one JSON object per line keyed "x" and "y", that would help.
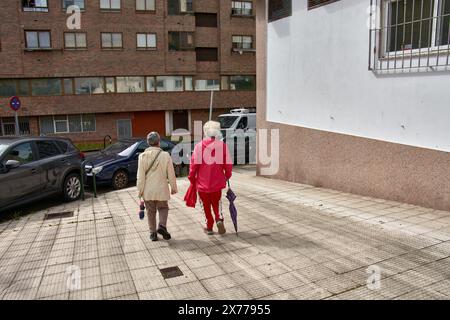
{"x": 117, "y": 164}
{"x": 32, "y": 168}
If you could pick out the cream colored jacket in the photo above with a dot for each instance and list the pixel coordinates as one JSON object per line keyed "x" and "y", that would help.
{"x": 155, "y": 185}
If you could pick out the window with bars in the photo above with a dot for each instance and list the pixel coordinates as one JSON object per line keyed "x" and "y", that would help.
{"x": 279, "y": 9}
{"x": 409, "y": 34}
{"x": 75, "y": 123}
{"x": 8, "y": 126}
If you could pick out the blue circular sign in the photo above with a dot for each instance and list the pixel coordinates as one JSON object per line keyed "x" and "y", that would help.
{"x": 15, "y": 103}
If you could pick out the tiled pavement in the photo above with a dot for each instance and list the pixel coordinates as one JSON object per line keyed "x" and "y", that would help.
{"x": 295, "y": 242}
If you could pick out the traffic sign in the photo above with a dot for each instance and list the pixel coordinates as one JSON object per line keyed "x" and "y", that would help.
{"x": 15, "y": 103}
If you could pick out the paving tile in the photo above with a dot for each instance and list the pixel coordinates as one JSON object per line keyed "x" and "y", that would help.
{"x": 218, "y": 283}
{"x": 118, "y": 290}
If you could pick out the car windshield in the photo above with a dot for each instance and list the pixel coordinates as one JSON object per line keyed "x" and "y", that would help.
{"x": 227, "y": 121}
{"x": 3, "y": 147}
{"x": 121, "y": 148}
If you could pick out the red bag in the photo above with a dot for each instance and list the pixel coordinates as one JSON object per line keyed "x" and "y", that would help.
{"x": 191, "y": 196}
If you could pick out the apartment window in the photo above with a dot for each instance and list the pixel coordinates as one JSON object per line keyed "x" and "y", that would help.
{"x": 46, "y": 87}
{"x": 79, "y": 3}
{"x": 35, "y": 5}
{"x": 279, "y": 9}
{"x": 146, "y": 40}
{"x": 130, "y": 84}
{"x": 23, "y": 87}
{"x": 8, "y": 88}
{"x": 110, "y": 84}
{"x": 89, "y": 85}
{"x": 242, "y": 42}
{"x": 110, "y": 5}
{"x": 318, "y": 3}
{"x": 37, "y": 39}
{"x": 75, "y": 40}
{"x": 150, "y": 84}
{"x": 67, "y": 124}
{"x": 206, "y": 20}
{"x": 169, "y": 83}
{"x": 245, "y": 83}
{"x": 145, "y": 5}
{"x": 206, "y": 54}
{"x": 241, "y": 8}
{"x": 68, "y": 86}
{"x": 176, "y": 7}
{"x": 188, "y": 83}
{"x": 111, "y": 40}
{"x": 207, "y": 85}
{"x": 181, "y": 40}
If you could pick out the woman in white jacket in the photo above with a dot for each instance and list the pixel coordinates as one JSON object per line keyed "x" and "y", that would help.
{"x": 155, "y": 174}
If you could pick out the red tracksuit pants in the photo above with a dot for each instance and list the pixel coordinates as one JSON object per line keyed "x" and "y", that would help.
{"x": 211, "y": 200}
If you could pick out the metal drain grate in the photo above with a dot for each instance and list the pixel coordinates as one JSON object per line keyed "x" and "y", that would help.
{"x": 57, "y": 215}
{"x": 171, "y": 272}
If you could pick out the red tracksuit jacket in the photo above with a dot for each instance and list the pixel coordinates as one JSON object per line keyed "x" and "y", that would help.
{"x": 211, "y": 165}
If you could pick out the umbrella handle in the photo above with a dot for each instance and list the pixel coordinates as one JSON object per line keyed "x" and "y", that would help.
{"x": 228, "y": 181}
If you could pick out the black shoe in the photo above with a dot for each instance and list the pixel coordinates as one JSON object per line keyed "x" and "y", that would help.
{"x": 154, "y": 236}
{"x": 163, "y": 231}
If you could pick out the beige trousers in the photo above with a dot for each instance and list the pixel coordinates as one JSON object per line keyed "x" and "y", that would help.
{"x": 162, "y": 207}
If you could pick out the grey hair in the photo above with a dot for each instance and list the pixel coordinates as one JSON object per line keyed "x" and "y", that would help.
{"x": 153, "y": 139}
{"x": 212, "y": 129}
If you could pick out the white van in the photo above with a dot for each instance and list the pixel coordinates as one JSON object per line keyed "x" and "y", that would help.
{"x": 240, "y": 123}
{"x": 237, "y": 119}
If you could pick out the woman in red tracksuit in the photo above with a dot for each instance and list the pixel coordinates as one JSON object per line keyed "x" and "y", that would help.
{"x": 211, "y": 167}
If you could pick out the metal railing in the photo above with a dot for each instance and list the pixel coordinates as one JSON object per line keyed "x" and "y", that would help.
{"x": 409, "y": 35}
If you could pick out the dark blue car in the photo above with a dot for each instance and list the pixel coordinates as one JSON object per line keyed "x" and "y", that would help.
{"x": 117, "y": 164}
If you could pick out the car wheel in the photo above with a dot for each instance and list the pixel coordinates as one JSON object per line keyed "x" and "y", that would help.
{"x": 120, "y": 180}
{"x": 72, "y": 187}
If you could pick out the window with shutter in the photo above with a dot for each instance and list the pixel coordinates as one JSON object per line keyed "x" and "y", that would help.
{"x": 279, "y": 9}
{"x": 317, "y": 3}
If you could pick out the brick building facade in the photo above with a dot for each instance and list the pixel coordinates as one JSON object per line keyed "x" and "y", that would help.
{"x": 132, "y": 66}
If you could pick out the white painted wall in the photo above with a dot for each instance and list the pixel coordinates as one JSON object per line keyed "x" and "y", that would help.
{"x": 318, "y": 78}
